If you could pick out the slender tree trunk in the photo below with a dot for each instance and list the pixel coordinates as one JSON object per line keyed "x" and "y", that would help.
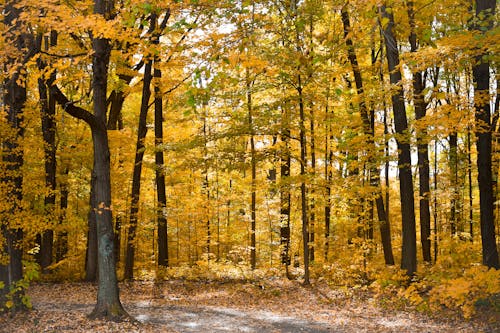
{"x": 453, "y": 163}
{"x": 303, "y": 189}
{"x": 118, "y": 237}
{"x": 368, "y": 129}
{"x": 485, "y": 13}
{"x": 14, "y": 98}
{"x": 48, "y": 112}
{"x": 469, "y": 174}
{"x": 436, "y": 231}
{"x": 422, "y": 146}
{"x": 328, "y": 177}
{"x": 159, "y": 174}
{"x": 253, "y": 163}
{"x": 312, "y": 205}
{"x": 285, "y": 196}
{"x": 206, "y": 186}
{"x": 409, "y": 247}
{"x": 91, "y": 252}
{"x": 62, "y": 235}
{"x": 136, "y": 177}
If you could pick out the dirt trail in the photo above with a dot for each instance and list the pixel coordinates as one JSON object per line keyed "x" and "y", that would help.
{"x": 179, "y": 306}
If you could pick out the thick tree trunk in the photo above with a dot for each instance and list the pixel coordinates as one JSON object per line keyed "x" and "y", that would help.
{"x": 409, "y": 246}
{"x": 485, "y": 12}
{"x": 108, "y": 302}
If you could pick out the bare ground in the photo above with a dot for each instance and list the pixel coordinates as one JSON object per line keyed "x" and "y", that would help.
{"x": 184, "y": 306}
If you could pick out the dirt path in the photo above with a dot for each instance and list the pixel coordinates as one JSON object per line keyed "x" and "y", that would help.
{"x": 179, "y": 306}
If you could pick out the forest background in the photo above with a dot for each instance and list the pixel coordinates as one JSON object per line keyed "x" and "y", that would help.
{"x": 354, "y": 142}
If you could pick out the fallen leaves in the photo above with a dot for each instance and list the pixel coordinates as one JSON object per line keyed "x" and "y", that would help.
{"x": 199, "y": 306}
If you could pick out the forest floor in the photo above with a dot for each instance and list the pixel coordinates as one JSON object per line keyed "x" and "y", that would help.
{"x": 211, "y": 306}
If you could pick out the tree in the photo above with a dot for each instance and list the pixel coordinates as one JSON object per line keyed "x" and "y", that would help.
{"x": 108, "y": 301}
{"x": 139, "y": 155}
{"x": 369, "y": 131}
{"x": 21, "y": 49}
{"x": 409, "y": 246}
{"x": 422, "y": 145}
{"x": 48, "y": 112}
{"x": 159, "y": 160}
{"x": 485, "y": 10}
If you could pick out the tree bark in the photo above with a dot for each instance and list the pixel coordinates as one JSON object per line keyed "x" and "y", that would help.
{"x": 454, "y": 202}
{"x": 136, "y": 177}
{"x": 253, "y": 164}
{"x": 303, "y": 189}
{"x": 48, "y": 113}
{"x": 285, "y": 196}
{"x": 160, "y": 176}
{"x": 14, "y": 99}
{"x": 328, "y": 177}
{"x": 409, "y": 247}
{"x": 485, "y": 13}
{"x": 108, "y": 304}
{"x": 368, "y": 130}
{"x": 312, "y": 205}
{"x": 61, "y": 246}
{"x": 91, "y": 252}
{"x": 422, "y": 145}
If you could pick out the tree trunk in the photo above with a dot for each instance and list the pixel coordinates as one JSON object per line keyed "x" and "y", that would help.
{"x": 160, "y": 176}
{"x": 312, "y": 205}
{"x": 469, "y": 174}
{"x": 453, "y": 163}
{"x": 136, "y": 177}
{"x": 12, "y": 180}
{"x": 368, "y": 129}
{"x": 253, "y": 163}
{"x": 328, "y": 177}
{"x": 91, "y": 252}
{"x": 62, "y": 235}
{"x": 485, "y": 13}
{"x": 422, "y": 146}
{"x": 14, "y": 98}
{"x": 108, "y": 302}
{"x": 285, "y": 196}
{"x": 48, "y": 113}
{"x": 303, "y": 190}
{"x": 409, "y": 247}
{"x": 435, "y": 204}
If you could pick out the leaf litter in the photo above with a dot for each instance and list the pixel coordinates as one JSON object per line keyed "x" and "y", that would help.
{"x": 226, "y": 306}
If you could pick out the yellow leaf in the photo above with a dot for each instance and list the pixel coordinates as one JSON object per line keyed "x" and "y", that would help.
{"x": 9, "y": 304}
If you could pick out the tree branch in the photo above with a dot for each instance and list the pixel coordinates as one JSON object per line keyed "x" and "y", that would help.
{"x": 70, "y": 107}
